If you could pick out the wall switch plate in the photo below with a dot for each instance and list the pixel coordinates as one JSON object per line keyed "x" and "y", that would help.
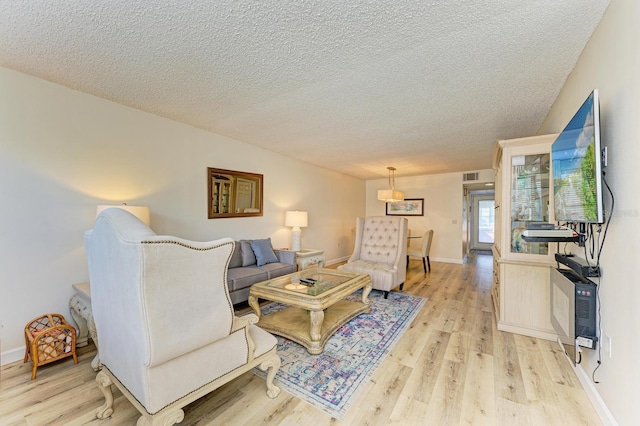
{"x": 607, "y": 344}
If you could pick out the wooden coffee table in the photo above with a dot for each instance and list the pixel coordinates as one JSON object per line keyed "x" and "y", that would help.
{"x": 314, "y": 312}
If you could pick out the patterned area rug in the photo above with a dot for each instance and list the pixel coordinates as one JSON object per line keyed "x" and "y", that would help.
{"x": 332, "y": 380}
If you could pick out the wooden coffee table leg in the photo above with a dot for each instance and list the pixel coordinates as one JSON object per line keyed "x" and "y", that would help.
{"x": 253, "y": 302}
{"x": 365, "y": 294}
{"x": 316, "y": 324}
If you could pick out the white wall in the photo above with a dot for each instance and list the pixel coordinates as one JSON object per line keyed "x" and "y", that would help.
{"x": 63, "y": 152}
{"x": 611, "y": 63}
{"x": 443, "y": 209}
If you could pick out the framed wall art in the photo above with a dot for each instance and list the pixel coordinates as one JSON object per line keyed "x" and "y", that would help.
{"x": 408, "y": 207}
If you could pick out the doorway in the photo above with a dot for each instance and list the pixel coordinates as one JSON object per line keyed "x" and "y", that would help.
{"x": 482, "y": 221}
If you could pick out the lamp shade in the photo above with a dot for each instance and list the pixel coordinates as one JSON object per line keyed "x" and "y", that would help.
{"x": 390, "y": 195}
{"x": 295, "y": 218}
{"x": 141, "y": 212}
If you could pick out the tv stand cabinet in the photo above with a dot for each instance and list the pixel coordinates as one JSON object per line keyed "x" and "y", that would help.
{"x": 522, "y": 299}
{"x": 520, "y": 291}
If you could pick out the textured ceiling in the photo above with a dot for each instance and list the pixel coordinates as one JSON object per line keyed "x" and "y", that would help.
{"x": 353, "y": 86}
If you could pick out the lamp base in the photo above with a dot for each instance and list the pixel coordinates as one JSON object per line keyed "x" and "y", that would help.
{"x": 296, "y": 238}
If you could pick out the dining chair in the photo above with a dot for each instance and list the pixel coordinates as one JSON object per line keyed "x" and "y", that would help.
{"x": 423, "y": 252}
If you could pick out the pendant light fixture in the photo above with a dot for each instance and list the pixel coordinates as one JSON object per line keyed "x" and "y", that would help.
{"x": 391, "y": 195}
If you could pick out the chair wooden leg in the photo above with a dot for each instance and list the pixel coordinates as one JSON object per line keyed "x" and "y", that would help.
{"x": 424, "y": 265}
{"x": 429, "y": 263}
{"x": 272, "y": 364}
{"x": 407, "y": 262}
{"x": 401, "y": 286}
{"x": 104, "y": 384}
{"x": 168, "y": 418}
{"x": 386, "y": 294}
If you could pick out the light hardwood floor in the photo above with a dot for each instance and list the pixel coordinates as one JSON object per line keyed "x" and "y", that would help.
{"x": 452, "y": 367}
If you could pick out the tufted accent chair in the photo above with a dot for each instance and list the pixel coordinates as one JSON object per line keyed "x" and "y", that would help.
{"x": 166, "y": 328}
{"x": 380, "y": 251}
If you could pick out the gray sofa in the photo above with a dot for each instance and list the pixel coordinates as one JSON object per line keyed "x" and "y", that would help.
{"x": 244, "y": 271}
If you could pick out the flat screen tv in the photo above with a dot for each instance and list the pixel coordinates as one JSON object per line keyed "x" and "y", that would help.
{"x": 576, "y": 161}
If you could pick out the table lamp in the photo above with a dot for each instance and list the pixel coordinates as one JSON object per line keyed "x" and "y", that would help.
{"x": 295, "y": 219}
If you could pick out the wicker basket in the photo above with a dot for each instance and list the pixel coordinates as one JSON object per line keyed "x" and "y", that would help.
{"x": 49, "y": 338}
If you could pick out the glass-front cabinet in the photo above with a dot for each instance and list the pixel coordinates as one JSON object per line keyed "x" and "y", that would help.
{"x": 521, "y": 289}
{"x": 525, "y": 173}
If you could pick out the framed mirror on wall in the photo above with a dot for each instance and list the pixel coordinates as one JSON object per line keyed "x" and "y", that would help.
{"x": 233, "y": 194}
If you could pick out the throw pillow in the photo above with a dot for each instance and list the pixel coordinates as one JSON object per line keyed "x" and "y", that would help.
{"x": 236, "y": 257}
{"x": 263, "y": 251}
{"x": 248, "y": 258}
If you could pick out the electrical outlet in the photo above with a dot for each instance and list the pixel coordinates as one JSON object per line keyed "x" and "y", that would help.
{"x": 607, "y": 344}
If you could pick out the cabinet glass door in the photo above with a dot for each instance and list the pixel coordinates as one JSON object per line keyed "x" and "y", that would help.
{"x": 529, "y": 199}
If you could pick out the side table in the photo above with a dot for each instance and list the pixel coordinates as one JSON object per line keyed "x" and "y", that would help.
{"x": 80, "y": 308}
{"x": 308, "y": 257}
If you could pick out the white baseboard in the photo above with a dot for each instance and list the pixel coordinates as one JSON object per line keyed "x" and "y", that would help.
{"x": 594, "y": 396}
{"x": 540, "y": 334}
{"x": 445, "y": 260}
{"x": 592, "y": 393}
{"x": 12, "y": 355}
{"x": 435, "y": 259}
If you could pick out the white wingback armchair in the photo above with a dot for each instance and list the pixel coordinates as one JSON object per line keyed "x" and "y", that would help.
{"x": 380, "y": 251}
{"x": 165, "y": 323}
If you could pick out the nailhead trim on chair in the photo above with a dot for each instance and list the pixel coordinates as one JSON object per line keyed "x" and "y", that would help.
{"x": 183, "y": 245}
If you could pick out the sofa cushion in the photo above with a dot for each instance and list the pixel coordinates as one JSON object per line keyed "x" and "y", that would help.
{"x": 239, "y": 278}
{"x": 236, "y": 257}
{"x": 381, "y": 272}
{"x": 264, "y": 341}
{"x": 263, "y": 251}
{"x": 286, "y": 256}
{"x": 278, "y": 269}
{"x": 248, "y": 258}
